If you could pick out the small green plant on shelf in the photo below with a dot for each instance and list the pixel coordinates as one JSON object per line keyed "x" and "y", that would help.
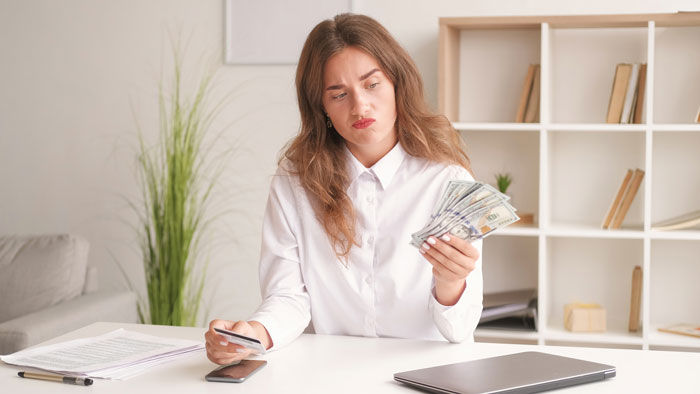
{"x": 503, "y": 181}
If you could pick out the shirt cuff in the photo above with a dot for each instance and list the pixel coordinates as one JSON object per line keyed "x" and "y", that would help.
{"x": 457, "y": 322}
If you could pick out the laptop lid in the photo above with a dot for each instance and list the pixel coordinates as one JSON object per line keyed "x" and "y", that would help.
{"x": 527, "y": 372}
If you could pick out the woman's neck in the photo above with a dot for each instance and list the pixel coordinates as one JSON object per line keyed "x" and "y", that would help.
{"x": 370, "y": 155}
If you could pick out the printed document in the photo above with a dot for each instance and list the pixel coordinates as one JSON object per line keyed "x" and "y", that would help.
{"x": 111, "y": 356}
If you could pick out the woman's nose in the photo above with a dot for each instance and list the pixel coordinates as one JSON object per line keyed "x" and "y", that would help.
{"x": 360, "y": 104}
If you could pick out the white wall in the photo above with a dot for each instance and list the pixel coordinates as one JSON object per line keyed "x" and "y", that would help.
{"x": 71, "y": 70}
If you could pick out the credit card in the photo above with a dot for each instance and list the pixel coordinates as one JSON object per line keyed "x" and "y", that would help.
{"x": 238, "y": 339}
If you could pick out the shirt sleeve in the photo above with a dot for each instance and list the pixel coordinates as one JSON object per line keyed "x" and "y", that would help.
{"x": 285, "y": 309}
{"x": 458, "y": 322}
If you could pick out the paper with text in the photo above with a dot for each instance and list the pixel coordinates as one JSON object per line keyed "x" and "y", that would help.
{"x": 110, "y": 356}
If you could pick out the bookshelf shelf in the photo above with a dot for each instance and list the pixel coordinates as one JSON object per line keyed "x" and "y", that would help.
{"x": 658, "y": 338}
{"x": 592, "y": 127}
{"x": 660, "y": 128}
{"x": 679, "y": 235}
{"x": 587, "y": 231}
{"x": 568, "y": 165}
{"x": 488, "y": 126}
{"x": 611, "y": 336}
{"x": 524, "y": 231}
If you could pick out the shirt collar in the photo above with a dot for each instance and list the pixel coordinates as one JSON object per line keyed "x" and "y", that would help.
{"x": 384, "y": 169}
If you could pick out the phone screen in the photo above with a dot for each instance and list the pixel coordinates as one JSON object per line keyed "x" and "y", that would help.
{"x": 235, "y": 372}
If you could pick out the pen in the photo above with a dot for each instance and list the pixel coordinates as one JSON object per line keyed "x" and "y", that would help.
{"x": 57, "y": 378}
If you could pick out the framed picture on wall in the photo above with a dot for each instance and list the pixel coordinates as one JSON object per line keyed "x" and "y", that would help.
{"x": 273, "y": 31}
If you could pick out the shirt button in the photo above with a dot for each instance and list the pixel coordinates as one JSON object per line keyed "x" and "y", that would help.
{"x": 370, "y": 240}
{"x": 369, "y": 280}
{"x": 370, "y": 199}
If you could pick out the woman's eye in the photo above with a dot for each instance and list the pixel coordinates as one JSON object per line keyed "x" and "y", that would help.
{"x": 341, "y": 95}
{"x": 374, "y": 85}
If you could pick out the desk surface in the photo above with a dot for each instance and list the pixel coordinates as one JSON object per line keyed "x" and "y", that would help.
{"x": 337, "y": 364}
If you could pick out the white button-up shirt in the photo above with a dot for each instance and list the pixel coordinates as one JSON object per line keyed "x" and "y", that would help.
{"x": 386, "y": 288}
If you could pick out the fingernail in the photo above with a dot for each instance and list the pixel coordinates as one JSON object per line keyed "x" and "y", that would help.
{"x": 445, "y": 238}
{"x": 432, "y": 241}
{"x": 240, "y": 350}
{"x": 425, "y": 246}
{"x": 421, "y": 250}
{"x": 223, "y": 343}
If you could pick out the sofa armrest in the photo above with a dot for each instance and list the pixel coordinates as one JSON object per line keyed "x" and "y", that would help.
{"x": 31, "y": 329}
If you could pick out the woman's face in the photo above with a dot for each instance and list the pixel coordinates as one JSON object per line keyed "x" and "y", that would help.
{"x": 359, "y": 99}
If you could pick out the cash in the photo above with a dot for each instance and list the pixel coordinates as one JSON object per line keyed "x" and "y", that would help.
{"x": 468, "y": 210}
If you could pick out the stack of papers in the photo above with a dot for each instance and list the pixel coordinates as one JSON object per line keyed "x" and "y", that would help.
{"x": 118, "y": 355}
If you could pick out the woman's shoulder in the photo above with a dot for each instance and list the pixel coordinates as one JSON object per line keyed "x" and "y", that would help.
{"x": 285, "y": 176}
{"x": 439, "y": 169}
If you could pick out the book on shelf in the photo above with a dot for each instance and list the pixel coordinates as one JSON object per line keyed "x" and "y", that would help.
{"x": 697, "y": 116}
{"x": 641, "y": 90}
{"x": 525, "y": 94}
{"x": 692, "y": 330}
{"x": 630, "y": 94}
{"x": 627, "y": 97}
{"x": 636, "y": 299}
{"x": 512, "y": 310}
{"x": 618, "y": 198}
{"x": 688, "y": 220}
{"x": 627, "y": 199}
{"x": 619, "y": 90}
{"x": 532, "y": 113}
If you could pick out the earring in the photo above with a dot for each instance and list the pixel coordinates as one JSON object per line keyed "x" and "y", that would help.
{"x": 329, "y": 124}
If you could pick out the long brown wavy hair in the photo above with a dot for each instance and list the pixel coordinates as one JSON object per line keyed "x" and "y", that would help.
{"x": 316, "y": 154}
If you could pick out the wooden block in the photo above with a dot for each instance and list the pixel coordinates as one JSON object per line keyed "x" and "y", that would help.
{"x": 636, "y": 298}
{"x": 526, "y": 219}
{"x": 584, "y": 317}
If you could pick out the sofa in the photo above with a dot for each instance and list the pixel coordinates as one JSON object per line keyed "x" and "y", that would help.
{"x": 48, "y": 288}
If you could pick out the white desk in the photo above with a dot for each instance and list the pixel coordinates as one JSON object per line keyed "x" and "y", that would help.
{"x": 336, "y": 364}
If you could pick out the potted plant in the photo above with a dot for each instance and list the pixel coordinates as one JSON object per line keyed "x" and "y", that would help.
{"x": 176, "y": 185}
{"x": 503, "y": 181}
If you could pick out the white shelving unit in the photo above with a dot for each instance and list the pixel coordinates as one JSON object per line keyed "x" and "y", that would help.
{"x": 567, "y": 168}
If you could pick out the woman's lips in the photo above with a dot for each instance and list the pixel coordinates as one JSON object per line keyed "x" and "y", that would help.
{"x": 363, "y": 123}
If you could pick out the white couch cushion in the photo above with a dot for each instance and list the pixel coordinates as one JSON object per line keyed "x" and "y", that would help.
{"x": 40, "y": 271}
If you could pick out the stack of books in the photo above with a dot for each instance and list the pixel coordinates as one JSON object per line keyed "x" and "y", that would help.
{"x": 688, "y": 220}
{"x": 627, "y": 96}
{"x": 529, "y": 106}
{"x": 510, "y": 310}
{"x": 623, "y": 199}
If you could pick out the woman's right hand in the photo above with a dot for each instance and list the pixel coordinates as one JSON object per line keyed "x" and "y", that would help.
{"x": 219, "y": 349}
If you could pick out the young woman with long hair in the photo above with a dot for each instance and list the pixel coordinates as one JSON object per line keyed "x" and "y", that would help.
{"x": 365, "y": 171}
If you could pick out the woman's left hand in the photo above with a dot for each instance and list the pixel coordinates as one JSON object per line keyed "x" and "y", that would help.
{"x": 453, "y": 259}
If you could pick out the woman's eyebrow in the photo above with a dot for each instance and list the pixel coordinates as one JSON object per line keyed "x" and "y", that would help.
{"x": 362, "y": 78}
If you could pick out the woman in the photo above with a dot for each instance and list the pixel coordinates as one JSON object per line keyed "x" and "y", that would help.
{"x": 365, "y": 171}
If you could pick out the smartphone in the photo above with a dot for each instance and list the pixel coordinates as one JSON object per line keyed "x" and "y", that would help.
{"x": 238, "y": 339}
{"x": 235, "y": 373}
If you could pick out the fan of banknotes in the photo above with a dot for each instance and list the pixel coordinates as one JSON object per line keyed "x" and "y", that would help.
{"x": 468, "y": 210}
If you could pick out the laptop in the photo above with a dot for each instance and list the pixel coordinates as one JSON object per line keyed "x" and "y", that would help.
{"x": 527, "y": 372}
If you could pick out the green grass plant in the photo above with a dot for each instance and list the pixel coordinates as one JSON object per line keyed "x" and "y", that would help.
{"x": 175, "y": 191}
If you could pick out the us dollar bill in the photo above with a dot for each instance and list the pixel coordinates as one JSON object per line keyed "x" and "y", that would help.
{"x": 468, "y": 210}
{"x": 484, "y": 222}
